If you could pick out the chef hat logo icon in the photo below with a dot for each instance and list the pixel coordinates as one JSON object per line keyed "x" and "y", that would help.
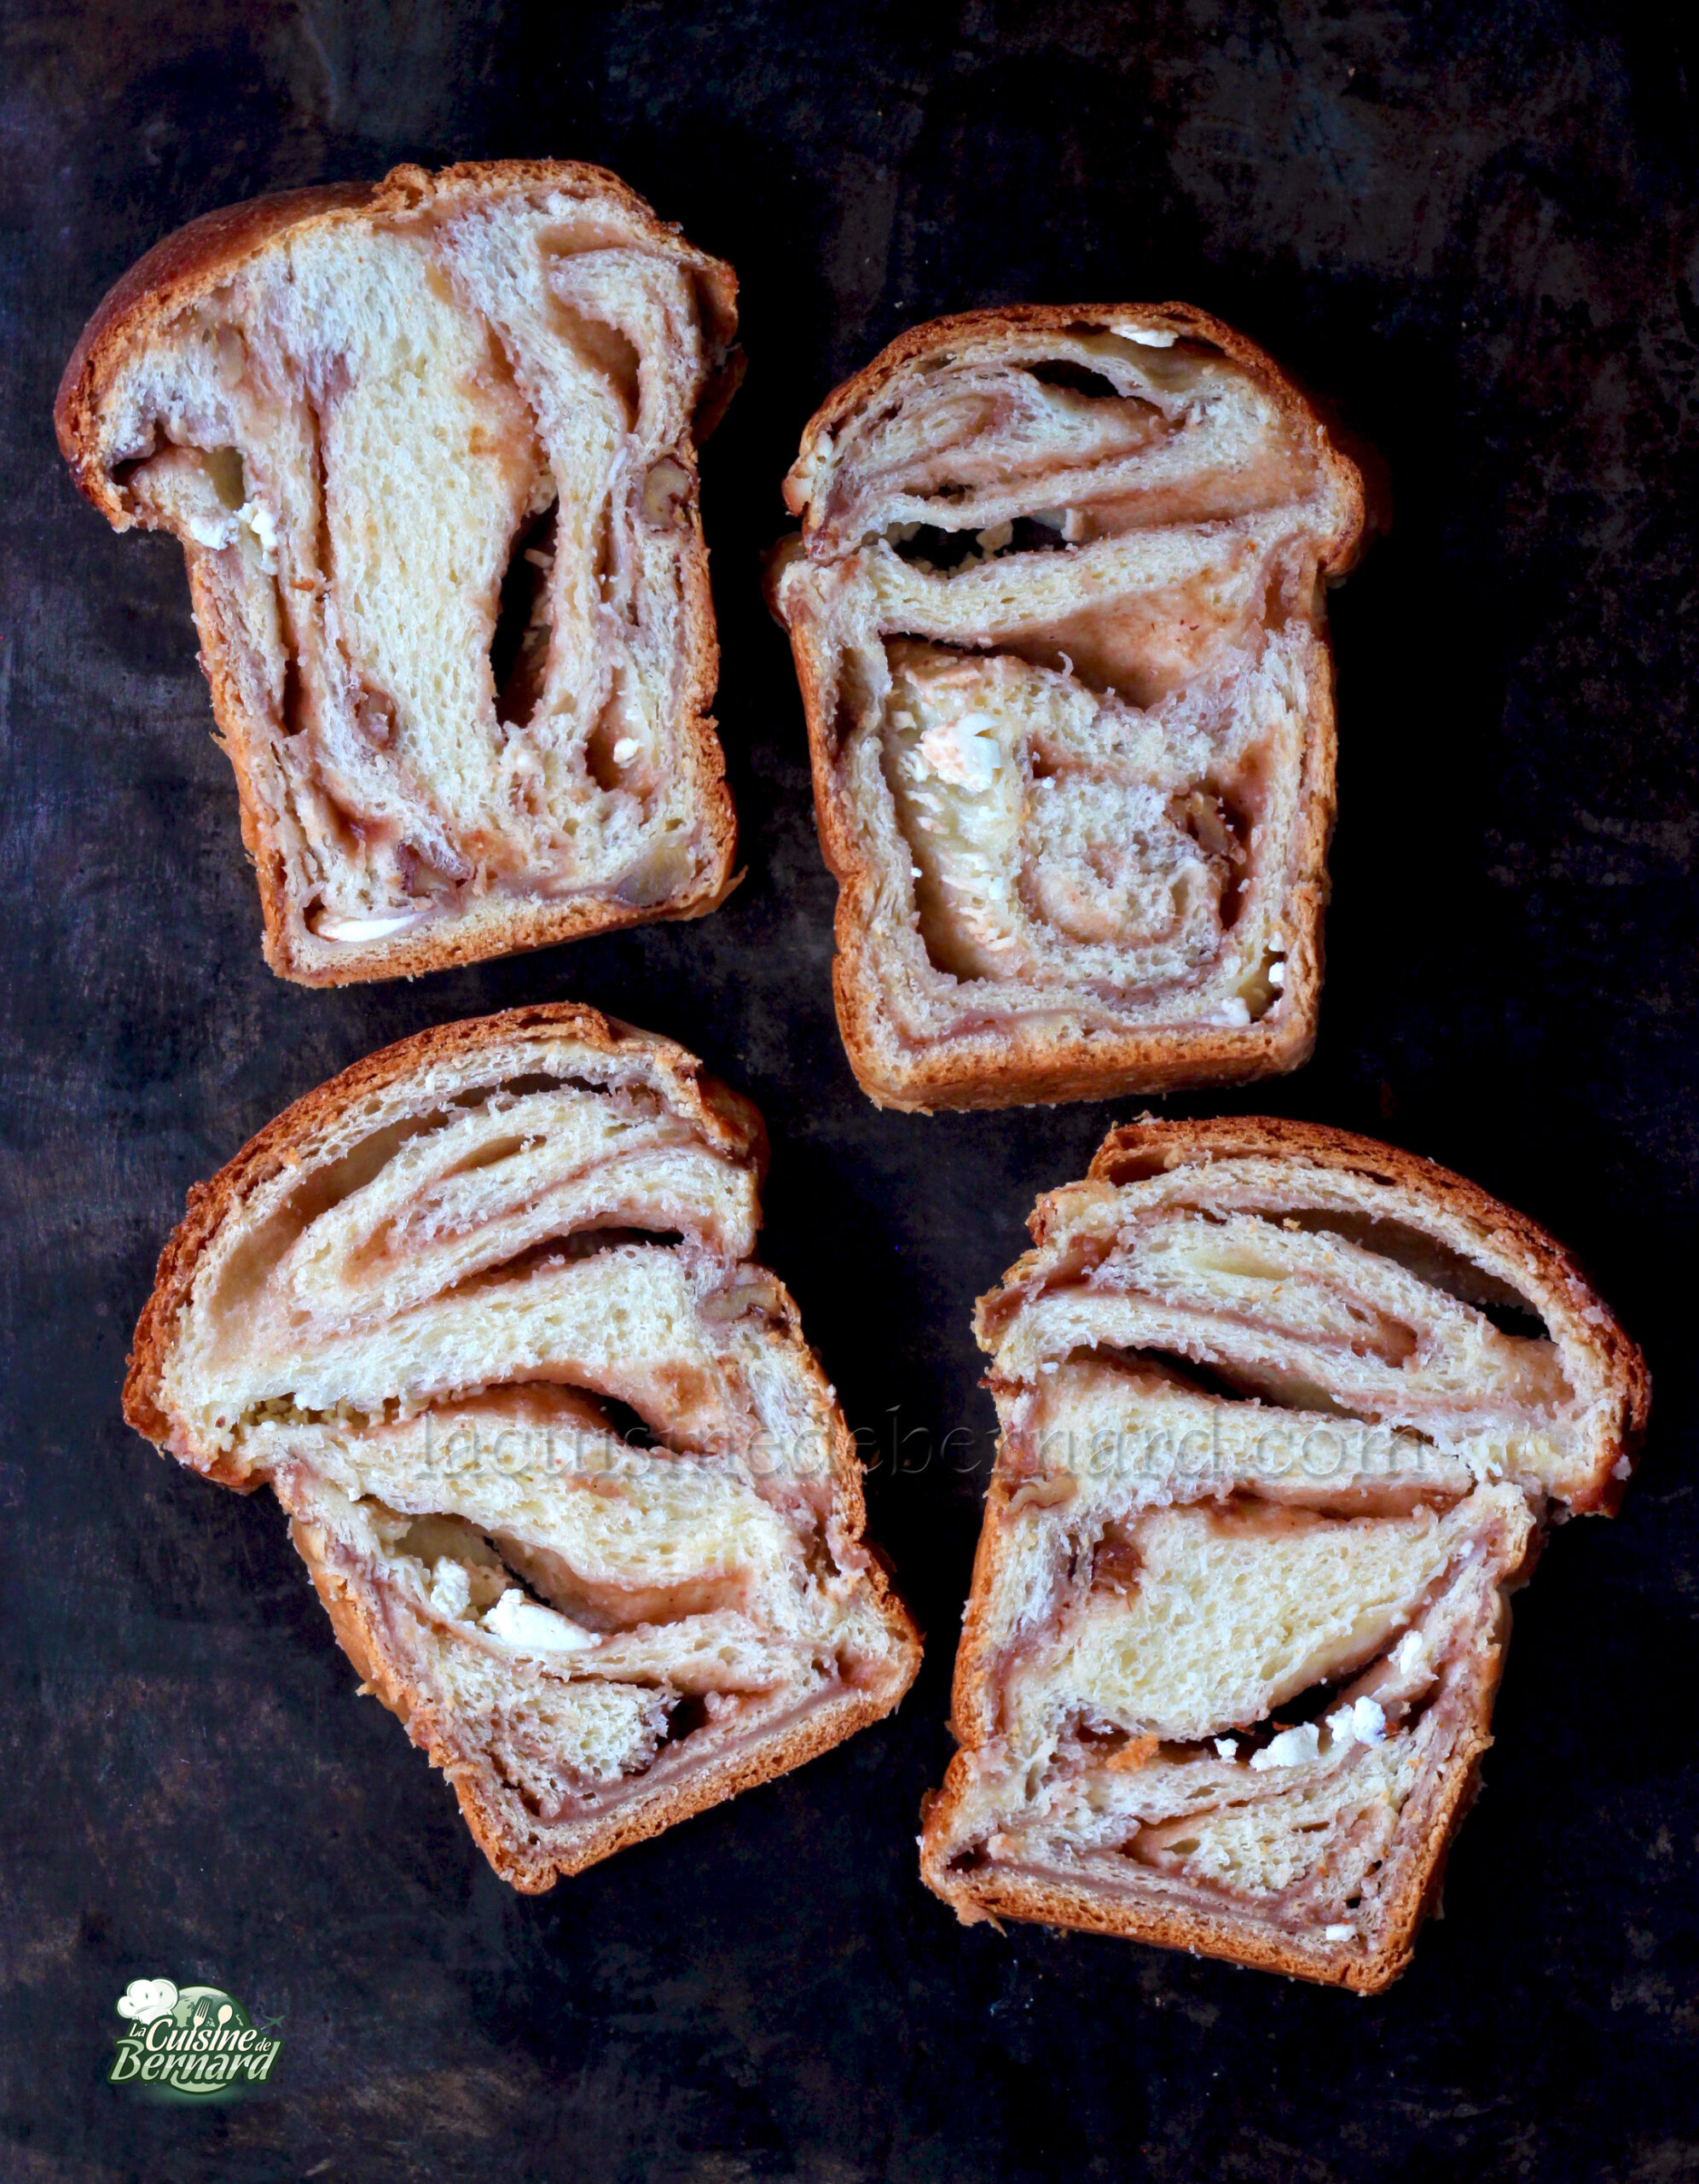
{"x": 194, "y": 2043}
{"x": 144, "y": 2000}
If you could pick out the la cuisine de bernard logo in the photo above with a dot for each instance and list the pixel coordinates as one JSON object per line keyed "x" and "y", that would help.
{"x": 189, "y": 2043}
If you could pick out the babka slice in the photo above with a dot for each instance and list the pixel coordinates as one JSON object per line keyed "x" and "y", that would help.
{"x": 1057, "y": 613}
{"x": 429, "y": 446}
{"x": 1284, "y": 1413}
{"x": 483, "y": 1313}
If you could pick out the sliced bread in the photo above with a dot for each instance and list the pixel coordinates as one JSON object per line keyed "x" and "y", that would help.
{"x": 483, "y": 1313}
{"x": 1058, "y": 610}
{"x": 1283, "y": 1414}
{"x": 430, "y": 449}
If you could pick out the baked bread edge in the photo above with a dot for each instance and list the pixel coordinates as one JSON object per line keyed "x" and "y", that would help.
{"x": 987, "y": 1894}
{"x": 1552, "y": 1269}
{"x": 727, "y": 1118}
{"x": 1185, "y": 320}
{"x": 198, "y": 258}
{"x": 1148, "y": 1146}
{"x": 645, "y": 1814}
{"x": 1028, "y": 1065}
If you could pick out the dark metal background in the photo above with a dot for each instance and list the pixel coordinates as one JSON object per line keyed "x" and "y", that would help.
{"x": 1478, "y": 229}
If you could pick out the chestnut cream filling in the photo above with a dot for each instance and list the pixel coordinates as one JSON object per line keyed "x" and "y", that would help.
{"x": 1267, "y": 1469}
{"x": 566, "y": 1479}
{"x": 1067, "y": 599}
{"x": 436, "y": 485}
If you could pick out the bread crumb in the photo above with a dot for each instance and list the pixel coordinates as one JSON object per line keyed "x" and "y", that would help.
{"x": 964, "y": 751}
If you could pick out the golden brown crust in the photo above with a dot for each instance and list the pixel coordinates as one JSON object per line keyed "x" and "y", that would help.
{"x": 1551, "y": 1270}
{"x": 184, "y": 265}
{"x": 1032, "y": 1064}
{"x": 208, "y": 252}
{"x": 725, "y": 1118}
{"x": 1428, "y": 1825}
{"x": 1053, "y": 1901}
{"x": 645, "y": 1813}
{"x": 734, "y": 1126}
{"x": 202, "y": 257}
{"x": 1185, "y": 320}
{"x": 1130, "y": 1154}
